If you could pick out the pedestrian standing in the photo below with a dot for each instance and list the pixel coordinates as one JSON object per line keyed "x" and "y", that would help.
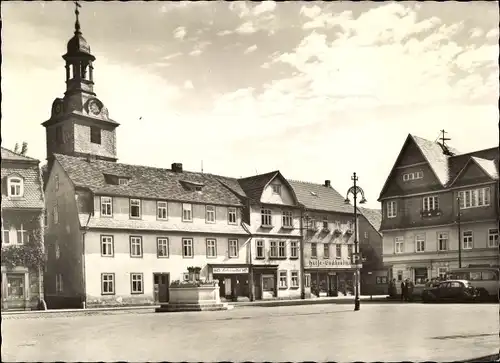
{"x": 404, "y": 288}
{"x": 410, "y": 290}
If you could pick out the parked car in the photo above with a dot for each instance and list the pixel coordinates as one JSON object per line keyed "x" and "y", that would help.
{"x": 450, "y": 291}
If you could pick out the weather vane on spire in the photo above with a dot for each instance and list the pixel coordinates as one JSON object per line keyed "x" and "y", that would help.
{"x": 77, "y": 23}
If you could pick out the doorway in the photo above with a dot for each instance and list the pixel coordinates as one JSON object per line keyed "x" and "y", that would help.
{"x": 332, "y": 285}
{"x": 161, "y": 282}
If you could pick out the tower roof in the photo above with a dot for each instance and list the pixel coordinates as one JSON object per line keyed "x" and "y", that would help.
{"x": 78, "y": 45}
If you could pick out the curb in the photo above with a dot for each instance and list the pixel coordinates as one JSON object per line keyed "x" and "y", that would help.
{"x": 79, "y": 311}
{"x": 309, "y": 302}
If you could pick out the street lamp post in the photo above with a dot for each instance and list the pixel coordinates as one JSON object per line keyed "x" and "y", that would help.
{"x": 355, "y": 190}
{"x": 304, "y": 230}
{"x": 459, "y": 235}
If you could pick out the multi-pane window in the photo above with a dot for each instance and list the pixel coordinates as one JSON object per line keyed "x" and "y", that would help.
{"x": 349, "y": 251}
{"x": 210, "y": 213}
{"x": 187, "y": 212}
{"x": 233, "y": 248}
{"x": 266, "y": 217}
{"x": 187, "y": 247}
{"x": 108, "y": 283}
{"x": 443, "y": 241}
{"x": 467, "y": 240}
{"x": 5, "y": 235}
{"x": 294, "y": 279}
{"x": 282, "y": 249}
{"x": 493, "y": 237}
{"x": 413, "y": 176}
{"x": 135, "y": 208}
{"x": 399, "y": 245}
{"x": 294, "y": 249}
{"x": 420, "y": 243}
{"x": 287, "y": 219}
{"x": 15, "y": 187}
{"x": 162, "y": 249}
{"x": 442, "y": 271}
{"x": 338, "y": 250}
{"x": 135, "y": 246}
{"x": 59, "y": 283}
{"x": 211, "y": 247}
{"x": 325, "y": 223}
{"x": 474, "y": 198}
{"x": 259, "y": 246}
{"x": 122, "y": 181}
{"x": 391, "y": 209}
{"x": 231, "y": 215}
{"x": 22, "y": 235}
{"x": 56, "y": 182}
{"x": 136, "y": 283}
{"x": 276, "y": 188}
{"x": 107, "y": 246}
{"x": 283, "y": 280}
{"x": 161, "y": 210}
{"x": 326, "y": 250}
{"x": 314, "y": 250}
{"x": 57, "y": 250}
{"x": 307, "y": 280}
{"x": 106, "y": 206}
{"x": 273, "y": 250}
{"x": 95, "y": 135}
{"x": 55, "y": 214}
{"x": 430, "y": 203}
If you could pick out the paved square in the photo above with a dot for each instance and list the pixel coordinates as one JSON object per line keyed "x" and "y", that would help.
{"x": 390, "y": 332}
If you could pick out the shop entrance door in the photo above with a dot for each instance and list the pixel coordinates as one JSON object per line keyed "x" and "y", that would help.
{"x": 227, "y": 286}
{"x": 161, "y": 282}
{"x": 332, "y": 285}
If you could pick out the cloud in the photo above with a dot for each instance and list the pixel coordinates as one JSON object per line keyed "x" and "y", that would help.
{"x": 179, "y": 32}
{"x": 310, "y": 11}
{"x": 196, "y": 52}
{"x": 264, "y": 7}
{"x": 246, "y": 28}
{"x": 172, "y": 56}
{"x": 240, "y": 8}
{"x": 476, "y": 32}
{"x": 188, "y": 84}
{"x": 250, "y": 49}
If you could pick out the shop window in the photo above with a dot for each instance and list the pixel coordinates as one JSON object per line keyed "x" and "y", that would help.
{"x": 420, "y": 276}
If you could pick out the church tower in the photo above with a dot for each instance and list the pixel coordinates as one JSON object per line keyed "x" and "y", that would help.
{"x": 79, "y": 124}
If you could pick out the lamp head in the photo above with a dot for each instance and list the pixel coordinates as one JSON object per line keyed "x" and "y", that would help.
{"x": 362, "y": 201}
{"x": 347, "y": 201}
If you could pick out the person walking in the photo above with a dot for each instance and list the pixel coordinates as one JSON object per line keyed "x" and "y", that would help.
{"x": 404, "y": 290}
{"x": 410, "y": 290}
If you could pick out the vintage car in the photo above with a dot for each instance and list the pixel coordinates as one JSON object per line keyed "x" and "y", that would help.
{"x": 450, "y": 291}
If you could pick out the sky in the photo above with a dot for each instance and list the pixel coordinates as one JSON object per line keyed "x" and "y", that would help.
{"x": 317, "y": 90}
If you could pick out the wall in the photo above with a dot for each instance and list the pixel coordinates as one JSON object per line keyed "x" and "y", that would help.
{"x": 277, "y": 222}
{"x": 370, "y": 239}
{"x": 67, "y": 147}
{"x": 269, "y": 197}
{"x": 106, "y": 148}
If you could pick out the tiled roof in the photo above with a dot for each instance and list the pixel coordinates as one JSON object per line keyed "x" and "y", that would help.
{"x": 33, "y": 196}
{"x": 318, "y": 197}
{"x": 254, "y": 186}
{"x": 488, "y": 166}
{"x": 373, "y": 216}
{"x": 10, "y": 155}
{"x": 166, "y": 226}
{"x": 438, "y": 161}
{"x": 146, "y": 182}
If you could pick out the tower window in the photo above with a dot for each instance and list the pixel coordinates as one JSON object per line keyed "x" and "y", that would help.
{"x": 95, "y": 135}
{"x": 59, "y": 136}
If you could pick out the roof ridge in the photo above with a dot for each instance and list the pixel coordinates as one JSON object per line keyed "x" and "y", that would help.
{"x": 19, "y": 154}
{"x": 477, "y": 151}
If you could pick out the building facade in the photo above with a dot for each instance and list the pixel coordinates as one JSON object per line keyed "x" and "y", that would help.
{"x": 429, "y": 186}
{"x": 22, "y": 232}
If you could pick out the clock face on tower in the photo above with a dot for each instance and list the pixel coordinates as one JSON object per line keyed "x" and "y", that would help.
{"x": 94, "y": 108}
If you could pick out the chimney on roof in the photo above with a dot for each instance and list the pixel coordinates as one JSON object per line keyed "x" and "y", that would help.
{"x": 328, "y": 183}
{"x": 177, "y": 167}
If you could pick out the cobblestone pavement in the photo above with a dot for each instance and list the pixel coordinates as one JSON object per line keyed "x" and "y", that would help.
{"x": 395, "y": 332}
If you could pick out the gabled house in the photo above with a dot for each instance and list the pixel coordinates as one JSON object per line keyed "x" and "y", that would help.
{"x": 22, "y": 232}
{"x": 429, "y": 185}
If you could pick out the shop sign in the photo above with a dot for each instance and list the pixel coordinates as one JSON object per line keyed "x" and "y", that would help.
{"x": 330, "y": 263}
{"x": 230, "y": 270}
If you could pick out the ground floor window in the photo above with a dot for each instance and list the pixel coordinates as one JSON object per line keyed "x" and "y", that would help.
{"x": 400, "y": 275}
{"x": 108, "y": 283}
{"x": 421, "y": 275}
{"x": 307, "y": 280}
{"x": 15, "y": 286}
{"x": 136, "y": 282}
{"x": 294, "y": 280}
{"x": 59, "y": 283}
{"x": 442, "y": 271}
{"x": 283, "y": 279}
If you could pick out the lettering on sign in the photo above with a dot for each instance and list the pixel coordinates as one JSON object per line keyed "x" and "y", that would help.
{"x": 329, "y": 263}
{"x": 230, "y": 270}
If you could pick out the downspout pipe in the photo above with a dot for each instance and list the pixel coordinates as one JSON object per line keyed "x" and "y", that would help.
{"x": 250, "y": 269}
{"x": 84, "y": 280}
{"x": 301, "y": 250}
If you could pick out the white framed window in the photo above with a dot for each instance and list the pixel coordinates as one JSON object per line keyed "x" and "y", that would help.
{"x": 273, "y": 249}
{"x": 122, "y": 181}
{"x": 326, "y": 250}
{"x": 443, "y": 241}
{"x": 56, "y": 182}
{"x": 338, "y": 250}
{"x": 136, "y": 283}
{"x": 442, "y": 272}
{"x": 282, "y": 249}
{"x": 276, "y": 188}
{"x": 162, "y": 210}
{"x": 420, "y": 243}
{"x": 493, "y": 237}
{"x": 22, "y": 235}
{"x": 15, "y": 186}
{"x": 314, "y": 250}
{"x": 294, "y": 279}
{"x": 231, "y": 216}
{"x": 106, "y": 206}
{"x": 467, "y": 240}
{"x": 55, "y": 214}
{"x": 233, "y": 248}
{"x": 187, "y": 212}
{"x": 135, "y": 246}
{"x": 287, "y": 219}
{"x": 366, "y": 235}
{"x": 107, "y": 245}
{"x": 211, "y": 247}
{"x": 260, "y": 248}
{"x": 59, "y": 283}
{"x": 187, "y": 248}
{"x": 266, "y": 217}
{"x": 413, "y": 176}
{"x": 135, "y": 208}
{"x": 307, "y": 280}
{"x": 57, "y": 250}
{"x": 349, "y": 251}
{"x": 107, "y": 284}
{"x": 399, "y": 243}
{"x": 162, "y": 247}
{"x": 391, "y": 209}
{"x": 475, "y": 198}
{"x": 294, "y": 249}
{"x": 283, "y": 279}
{"x": 5, "y": 235}
{"x": 210, "y": 214}
{"x": 430, "y": 203}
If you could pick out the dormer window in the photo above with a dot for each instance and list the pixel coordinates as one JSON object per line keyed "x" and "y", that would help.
{"x": 95, "y": 135}
{"x": 122, "y": 181}
{"x": 192, "y": 186}
{"x": 276, "y": 188}
{"x": 15, "y": 187}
